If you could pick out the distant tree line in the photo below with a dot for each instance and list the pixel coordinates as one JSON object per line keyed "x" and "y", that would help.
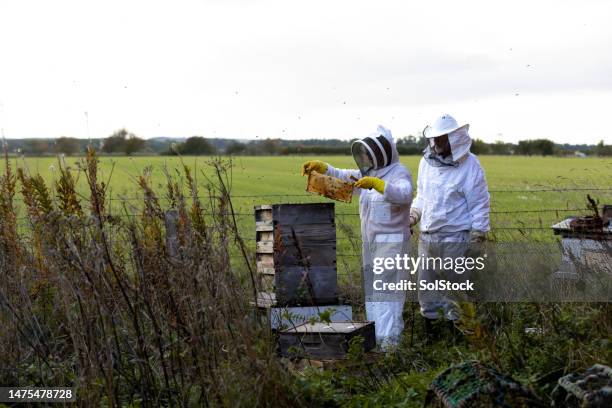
{"x": 124, "y": 142}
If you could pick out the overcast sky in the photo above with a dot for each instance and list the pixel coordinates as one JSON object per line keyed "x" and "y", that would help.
{"x": 246, "y": 69}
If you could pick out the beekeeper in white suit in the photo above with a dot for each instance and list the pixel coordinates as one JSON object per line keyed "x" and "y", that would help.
{"x": 385, "y": 189}
{"x": 452, "y": 203}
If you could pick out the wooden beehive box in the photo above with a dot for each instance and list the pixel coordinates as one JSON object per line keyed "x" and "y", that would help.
{"x": 305, "y": 254}
{"x": 296, "y": 253}
{"x": 325, "y": 340}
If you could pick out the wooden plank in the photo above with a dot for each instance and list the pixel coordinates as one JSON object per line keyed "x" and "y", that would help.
{"x": 264, "y": 226}
{"x": 266, "y": 282}
{"x": 265, "y": 270}
{"x": 299, "y": 286}
{"x": 312, "y": 255}
{"x": 324, "y": 234}
{"x": 265, "y": 299}
{"x": 264, "y": 236}
{"x": 265, "y": 259}
{"x": 296, "y": 214}
{"x": 263, "y": 215}
{"x": 265, "y": 247}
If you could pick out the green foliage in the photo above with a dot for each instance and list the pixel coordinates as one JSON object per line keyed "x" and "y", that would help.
{"x": 568, "y": 341}
{"x": 480, "y": 147}
{"x": 36, "y": 147}
{"x": 603, "y": 149}
{"x": 235, "y": 148}
{"x": 542, "y": 147}
{"x": 66, "y": 145}
{"x": 196, "y": 145}
{"x": 122, "y": 141}
{"x": 568, "y": 336}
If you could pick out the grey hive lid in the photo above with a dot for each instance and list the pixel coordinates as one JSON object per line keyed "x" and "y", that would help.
{"x": 332, "y": 327}
{"x": 565, "y": 226}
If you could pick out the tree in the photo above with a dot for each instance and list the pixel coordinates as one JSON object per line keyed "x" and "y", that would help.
{"x": 602, "y": 149}
{"x": 235, "y": 148}
{"x": 269, "y": 146}
{"x": 116, "y": 142}
{"x": 544, "y": 147}
{"x": 36, "y": 147}
{"x": 500, "y": 147}
{"x": 410, "y": 145}
{"x": 525, "y": 147}
{"x": 196, "y": 145}
{"x": 122, "y": 141}
{"x": 67, "y": 145}
{"x": 479, "y": 147}
{"x": 133, "y": 144}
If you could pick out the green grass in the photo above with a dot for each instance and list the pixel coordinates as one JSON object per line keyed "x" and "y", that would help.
{"x": 276, "y": 179}
{"x": 279, "y": 175}
{"x": 513, "y": 182}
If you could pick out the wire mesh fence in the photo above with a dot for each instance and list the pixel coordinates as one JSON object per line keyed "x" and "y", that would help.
{"x": 503, "y": 221}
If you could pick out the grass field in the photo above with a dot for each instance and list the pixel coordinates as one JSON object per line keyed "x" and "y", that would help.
{"x": 181, "y": 325}
{"x": 514, "y": 182}
{"x": 519, "y": 207}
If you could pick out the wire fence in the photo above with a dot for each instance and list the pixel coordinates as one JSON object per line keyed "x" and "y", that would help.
{"x": 356, "y": 241}
{"x": 127, "y": 198}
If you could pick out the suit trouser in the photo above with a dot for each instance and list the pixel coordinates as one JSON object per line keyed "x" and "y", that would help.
{"x": 433, "y": 246}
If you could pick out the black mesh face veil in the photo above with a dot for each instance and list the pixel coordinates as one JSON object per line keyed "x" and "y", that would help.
{"x": 379, "y": 159}
{"x": 387, "y": 149}
{"x": 372, "y": 153}
{"x": 362, "y": 157}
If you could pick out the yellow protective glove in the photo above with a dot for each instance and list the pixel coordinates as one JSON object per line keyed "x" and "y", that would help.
{"x": 371, "y": 183}
{"x": 316, "y": 165}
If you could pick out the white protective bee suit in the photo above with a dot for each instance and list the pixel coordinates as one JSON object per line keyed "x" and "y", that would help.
{"x": 452, "y": 203}
{"x": 385, "y": 226}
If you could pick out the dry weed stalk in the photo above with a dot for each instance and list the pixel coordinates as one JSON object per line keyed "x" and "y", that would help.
{"x": 151, "y": 308}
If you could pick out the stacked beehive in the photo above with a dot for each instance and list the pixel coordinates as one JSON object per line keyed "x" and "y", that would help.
{"x": 296, "y": 253}
{"x": 296, "y": 265}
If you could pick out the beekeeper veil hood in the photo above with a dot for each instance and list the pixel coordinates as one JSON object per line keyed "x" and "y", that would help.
{"x": 375, "y": 152}
{"x": 458, "y": 137}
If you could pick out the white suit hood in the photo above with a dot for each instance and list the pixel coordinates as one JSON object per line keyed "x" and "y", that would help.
{"x": 460, "y": 143}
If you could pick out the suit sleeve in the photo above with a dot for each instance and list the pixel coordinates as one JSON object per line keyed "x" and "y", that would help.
{"x": 399, "y": 190}
{"x": 477, "y": 197}
{"x": 418, "y": 201}
{"x": 343, "y": 174}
